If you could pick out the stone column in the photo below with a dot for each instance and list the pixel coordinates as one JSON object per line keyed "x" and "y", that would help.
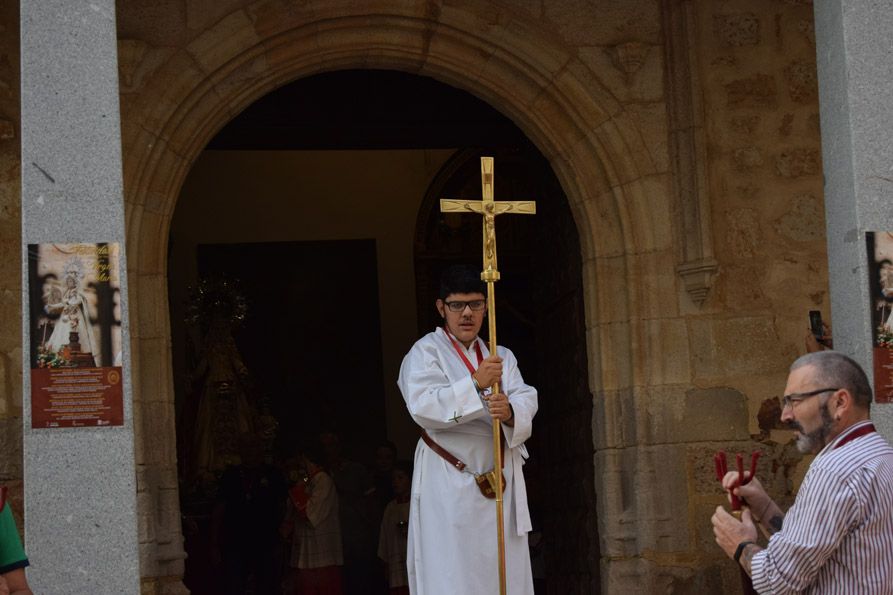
{"x": 855, "y": 68}
{"x": 80, "y": 493}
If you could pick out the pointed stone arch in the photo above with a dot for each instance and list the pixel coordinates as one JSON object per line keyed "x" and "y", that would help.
{"x": 617, "y": 194}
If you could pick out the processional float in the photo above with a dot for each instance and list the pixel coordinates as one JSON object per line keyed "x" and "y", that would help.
{"x": 489, "y": 209}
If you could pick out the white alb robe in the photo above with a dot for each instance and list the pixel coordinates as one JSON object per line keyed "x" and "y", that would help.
{"x": 452, "y": 528}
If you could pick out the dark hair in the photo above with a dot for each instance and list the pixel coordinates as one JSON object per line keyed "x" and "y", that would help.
{"x": 314, "y": 451}
{"x": 834, "y": 369}
{"x": 405, "y": 466}
{"x": 461, "y": 278}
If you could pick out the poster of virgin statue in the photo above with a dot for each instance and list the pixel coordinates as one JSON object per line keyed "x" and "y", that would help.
{"x": 880, "y": 284}
{"x": 75, "y": 350}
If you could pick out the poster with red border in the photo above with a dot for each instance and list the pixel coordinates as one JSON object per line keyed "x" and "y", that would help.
{"x": 880, "y": 281}
{"x": 75, "y": 350}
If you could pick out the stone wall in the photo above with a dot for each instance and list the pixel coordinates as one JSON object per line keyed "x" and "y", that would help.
{"x": 672, "y": 380}
{"x": 757, "y": 60}
{"x": 10, "y": 257}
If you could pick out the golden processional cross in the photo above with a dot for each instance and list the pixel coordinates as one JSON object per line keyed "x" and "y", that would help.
{"x": 489, "y": 208}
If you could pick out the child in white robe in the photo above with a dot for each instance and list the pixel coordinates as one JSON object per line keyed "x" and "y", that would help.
{"x": 394, "y": 528}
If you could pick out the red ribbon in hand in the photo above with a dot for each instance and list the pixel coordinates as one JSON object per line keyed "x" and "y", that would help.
{"x": 722, "y": 468}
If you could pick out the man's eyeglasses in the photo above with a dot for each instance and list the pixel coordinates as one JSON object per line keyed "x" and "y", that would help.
{"x": 459, "y": 306}
{"x": 792, "y": 399}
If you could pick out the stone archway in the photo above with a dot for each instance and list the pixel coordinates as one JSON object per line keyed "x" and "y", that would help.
{"x": 618, "y": 196}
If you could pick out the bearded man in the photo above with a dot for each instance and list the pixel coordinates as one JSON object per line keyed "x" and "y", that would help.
{"x": 838, "y": 535}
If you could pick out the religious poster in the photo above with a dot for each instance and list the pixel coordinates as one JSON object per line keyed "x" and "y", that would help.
{"x": 880, "y": 279}
{"x": 75, "y": 351}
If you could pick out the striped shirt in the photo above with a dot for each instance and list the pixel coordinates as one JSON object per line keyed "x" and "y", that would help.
{"x": 838, "y": 535}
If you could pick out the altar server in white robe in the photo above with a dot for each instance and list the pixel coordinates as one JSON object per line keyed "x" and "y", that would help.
{"x": 452, "y": 543}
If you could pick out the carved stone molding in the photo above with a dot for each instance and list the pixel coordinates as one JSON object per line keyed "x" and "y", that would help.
{"x": 698, "y": 278}
{"x": 735, "y": 30}
{"x": 131, "y": 53}
{"x": 7, "y": 129}
{"x": 798, "y": 162}
{"x": 802, "y": 81}
{"x": 758, "y": 90}
{"x": 629, "y": 57}
{"x": 692, "y": 220}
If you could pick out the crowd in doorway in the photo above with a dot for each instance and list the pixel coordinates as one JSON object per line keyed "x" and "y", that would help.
{"x": 313, "y": 523}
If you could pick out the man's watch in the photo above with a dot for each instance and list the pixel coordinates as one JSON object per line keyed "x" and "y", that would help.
{"x": 740, "y": 550}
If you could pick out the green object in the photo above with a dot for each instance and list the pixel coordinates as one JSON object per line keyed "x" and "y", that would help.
{"x": 12, "y": 555}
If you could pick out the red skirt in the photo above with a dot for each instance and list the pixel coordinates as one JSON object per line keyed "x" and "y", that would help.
{"x": 320, "y": 581}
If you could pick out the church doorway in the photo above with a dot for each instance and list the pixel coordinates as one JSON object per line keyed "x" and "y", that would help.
{"x": 311, "y": 220}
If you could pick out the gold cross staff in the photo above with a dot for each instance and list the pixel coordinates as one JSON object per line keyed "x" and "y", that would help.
{"x": 489, "y": 208}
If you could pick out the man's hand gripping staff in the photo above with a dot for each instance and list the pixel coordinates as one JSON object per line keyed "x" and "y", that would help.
{"x": 488, "y": 374}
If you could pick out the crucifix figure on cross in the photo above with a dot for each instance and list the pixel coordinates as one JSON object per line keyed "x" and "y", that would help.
{"x": 490, "y": 208}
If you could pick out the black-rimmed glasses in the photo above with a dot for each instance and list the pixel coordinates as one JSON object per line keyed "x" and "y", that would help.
{"x": 792, "y": 399}
{"x": 459, "y": 305}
